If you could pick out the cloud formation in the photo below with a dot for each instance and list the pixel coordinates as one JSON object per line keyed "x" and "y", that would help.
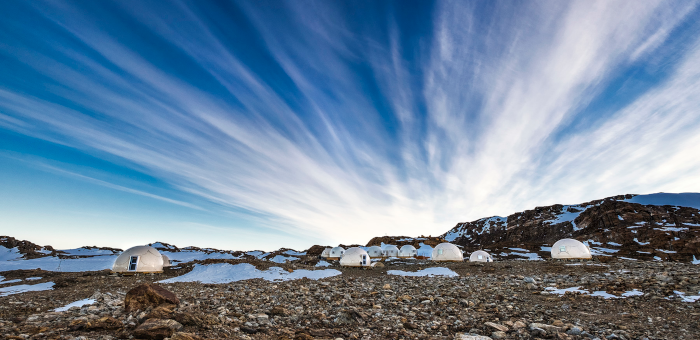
{"x": 338, "y": 125}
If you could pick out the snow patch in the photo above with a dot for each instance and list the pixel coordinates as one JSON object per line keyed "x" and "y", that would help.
{"x": 599, "y": 293}
{"x": 5, "y": 291}
{"x": 225, "y": 273}
{"x": 9, "y": 254}
{"x": 283, "y": 259}
{"x": 434, "y": 271}
{"x": 78, "y": 303}
{"x": 641, "y": 243}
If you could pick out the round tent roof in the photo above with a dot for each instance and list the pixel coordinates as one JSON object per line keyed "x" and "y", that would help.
{"x": 166, "y": 261}
{"x": 139, "y": 259}
{"x": 408, "y": 251}
{"x": 326, "y": 252}
{"x": 569, "y": 248}
{"x": 355, "y": 257}
{"x": 447, "y": 252}
{"x": 390, "y": 250}
{"x": 336, "y": 252}
{"x": 480, "y": 256}
{"x": 374, "y": 252}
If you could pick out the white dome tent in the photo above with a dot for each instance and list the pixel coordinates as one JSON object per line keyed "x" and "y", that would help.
{"x": 355, "y": 257}
{"x": 390, "y": 250}
{"x": 480, "y": 256}
{"x": 568, "y": 248}
{"x": 325, "y": 253}
{"x": 336, "y": 253}
{"x": 408, "y": 251}
{"x": 139, "y": 259}
{"x": 447, "y": 252}
{"x": 166, "y": 261}
{"x": 375, "y": 252}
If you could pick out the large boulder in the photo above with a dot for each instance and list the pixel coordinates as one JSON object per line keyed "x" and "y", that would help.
{"x": 157, "y": 329}
{"x": 148, "y": 295}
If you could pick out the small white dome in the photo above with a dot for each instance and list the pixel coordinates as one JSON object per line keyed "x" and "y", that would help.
{"x": 139, "y": 259}
{"x": 166, "y": 261}
{"x": 375, "y": 252}
{"x": 408, "y": 251}
{"x": 447, "y": 252}
{"x": 336, "y": 253}
{"x": 480, "y": 256}
{"x": 570, "y": 249}
{"x": 390, "y": 250}
{"x": 355, "y": 257}
{"x": 326, "y": 252}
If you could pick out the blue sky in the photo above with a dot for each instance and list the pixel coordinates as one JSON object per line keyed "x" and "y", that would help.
{"x": 262, "y": 124}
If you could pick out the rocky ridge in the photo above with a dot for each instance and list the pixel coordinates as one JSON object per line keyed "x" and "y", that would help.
{"x": 617, "y": 227}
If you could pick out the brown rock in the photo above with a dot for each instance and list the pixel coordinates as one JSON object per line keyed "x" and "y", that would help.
{"x": 497, "y": 326}
{"x": 161, "y": 312}
{"x": 185, "y": 336}
{"x": 189, "y": 319}
{"x": 148, "y": 295}
{"x": 106, "y": 322}
{"x": 277, "y": 310}
{"x": 157, "y": 329}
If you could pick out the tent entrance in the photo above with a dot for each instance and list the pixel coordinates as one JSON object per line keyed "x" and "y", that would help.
{"x": 133, "y": 263}
{"x": 364, "y": 260}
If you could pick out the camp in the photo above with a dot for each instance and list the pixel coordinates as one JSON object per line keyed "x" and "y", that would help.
{"x": 408, "y": 251}
{"x": 390, "y": 250}
{"x": 336, "y": 253}
{"x": 570, "y": 249}
{"x": 480, "y": 256}
{"x": 355, "y": 257}
{"x": 139, "y": 259}
{"x": 375, "y": 252}
{"x": 447, "y": 252}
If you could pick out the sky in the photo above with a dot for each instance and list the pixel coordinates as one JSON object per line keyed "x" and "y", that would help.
{"x": 265, "y": 124}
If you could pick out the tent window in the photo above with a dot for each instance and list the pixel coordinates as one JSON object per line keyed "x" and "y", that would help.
{"x": 439, "y": 251}
{"x": 133, "y": 262}
{"x": 562, "y": 248}
{"x": 481, "y": 257}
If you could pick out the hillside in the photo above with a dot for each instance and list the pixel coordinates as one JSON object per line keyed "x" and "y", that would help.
{"x": 645, "y": 227}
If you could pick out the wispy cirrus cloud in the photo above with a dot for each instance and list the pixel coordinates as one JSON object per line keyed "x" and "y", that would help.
{"x": 341, "y": 129}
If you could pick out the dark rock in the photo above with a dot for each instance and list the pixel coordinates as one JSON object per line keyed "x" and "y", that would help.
{"x": 157, "y": 329}
{"x": 148, "y": 295}
{"x": 185, "y": 336}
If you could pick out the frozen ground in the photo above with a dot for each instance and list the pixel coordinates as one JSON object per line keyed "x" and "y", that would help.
{"x": 4, "y": 291}
{"x": 225, "y": 273}
{"x": 79, "y": 303}
{"x": 434, "y": 271}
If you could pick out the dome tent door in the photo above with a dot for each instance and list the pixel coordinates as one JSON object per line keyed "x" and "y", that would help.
{"x": 364, "y": 260}
{"x": 133, "y": 263}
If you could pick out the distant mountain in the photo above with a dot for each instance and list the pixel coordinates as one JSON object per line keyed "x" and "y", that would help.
{"x": 650, "y": 227}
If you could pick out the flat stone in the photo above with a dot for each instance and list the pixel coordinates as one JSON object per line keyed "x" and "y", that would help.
{"x": 157, "y": 329}
{"x": 498, "y": 327}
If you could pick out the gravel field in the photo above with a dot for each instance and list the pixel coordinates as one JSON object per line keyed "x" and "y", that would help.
{"x": 501, "y": 300}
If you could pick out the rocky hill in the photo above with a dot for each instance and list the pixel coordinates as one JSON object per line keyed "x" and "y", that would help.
{"x": 621, "y": 226}
{"x": 11, "y": 247}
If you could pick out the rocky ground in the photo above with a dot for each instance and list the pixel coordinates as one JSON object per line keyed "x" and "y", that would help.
{"x": 502, "y": 300}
